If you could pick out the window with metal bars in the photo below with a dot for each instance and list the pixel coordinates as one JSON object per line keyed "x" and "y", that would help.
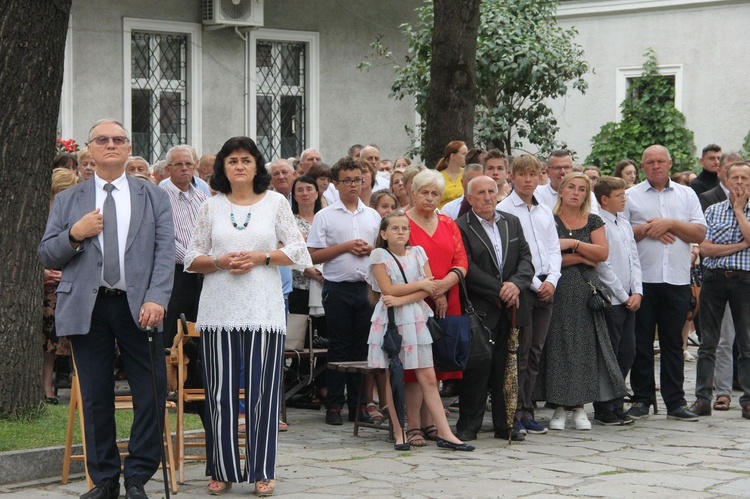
{"x": 280, "y": 98}
{"x": 158, "y": 92}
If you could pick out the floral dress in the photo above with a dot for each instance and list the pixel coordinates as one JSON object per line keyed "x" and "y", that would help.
{"x": 411, "y": 319}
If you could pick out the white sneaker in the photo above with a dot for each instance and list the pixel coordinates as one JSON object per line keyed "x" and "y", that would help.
{"x": 581, "y": 420}
{"x": 558, "y": 419}
{"x": 687, "y": 356}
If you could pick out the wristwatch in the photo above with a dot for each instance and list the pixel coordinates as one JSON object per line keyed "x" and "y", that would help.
{"x": 73, "y": 239}
{"x": 268, "y": 259}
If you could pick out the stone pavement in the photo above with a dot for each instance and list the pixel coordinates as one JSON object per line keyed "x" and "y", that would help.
{"x": 651, "y": 458}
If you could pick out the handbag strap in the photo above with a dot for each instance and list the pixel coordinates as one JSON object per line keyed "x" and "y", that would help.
{"x": 391, "y": 313}
{"x": 462, "y": 285}
{"x": 399, "y": 265}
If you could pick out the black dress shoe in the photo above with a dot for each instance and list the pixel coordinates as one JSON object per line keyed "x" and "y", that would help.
{"x": 134, "y": 489}
{"x": 106, "y": 489}
{"x": 466, "y": 435}
{"x": 515, "y": 435}
{"x": 445, "y": 444}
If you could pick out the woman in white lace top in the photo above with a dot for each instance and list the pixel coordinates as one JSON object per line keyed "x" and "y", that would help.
{"x": 241, "y": 315}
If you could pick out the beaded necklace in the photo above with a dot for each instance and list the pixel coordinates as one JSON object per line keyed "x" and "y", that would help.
{"x": 234, "y": 222}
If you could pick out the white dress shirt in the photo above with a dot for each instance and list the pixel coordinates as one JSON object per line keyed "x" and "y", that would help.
{"x": 453, "y": 207}
{"x": 121, "y": 196}
{"x": 538, "y": 226}
{"x": 331, "y": 194}
{"x": 493, "y": 232}
{"x": 621, "y": 272}
{"x": 663, "y": 263}
{"x": 546, "y": 195}
{"x": 334, "y": 225}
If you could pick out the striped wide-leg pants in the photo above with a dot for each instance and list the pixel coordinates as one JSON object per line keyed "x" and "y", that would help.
{"x": 222, "y": 352}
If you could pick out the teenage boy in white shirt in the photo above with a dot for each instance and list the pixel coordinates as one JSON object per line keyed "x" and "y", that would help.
{"x": 621, "y": 275}
{"x": 539, "y": 230}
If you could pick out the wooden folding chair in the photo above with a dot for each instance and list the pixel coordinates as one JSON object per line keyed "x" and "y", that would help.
{"x": 192, "y": 440}
{"x": 123, "y": 402}
{"x": 309, "y": 355}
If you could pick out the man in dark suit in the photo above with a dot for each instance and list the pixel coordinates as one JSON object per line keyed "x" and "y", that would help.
{"x": 113, "y": 238}
{"x": 500, "y": 268}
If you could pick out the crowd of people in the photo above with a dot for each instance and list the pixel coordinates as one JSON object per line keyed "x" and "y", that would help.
{"x": 591, "y": 268}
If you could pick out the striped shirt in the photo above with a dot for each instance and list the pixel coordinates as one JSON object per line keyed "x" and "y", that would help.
{"x": 184, "y": 214}
{"x": 724, "y": 229}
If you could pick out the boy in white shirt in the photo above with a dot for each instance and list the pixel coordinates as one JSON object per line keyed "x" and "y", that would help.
{"x": 621, "y": 275}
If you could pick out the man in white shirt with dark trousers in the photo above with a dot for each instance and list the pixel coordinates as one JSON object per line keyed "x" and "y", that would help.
{"x": 666, "y": 218}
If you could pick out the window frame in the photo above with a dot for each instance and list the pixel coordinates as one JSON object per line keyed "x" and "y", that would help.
{"x": 194, "y": 70}
{"x": 623, "y": 74}
{"x": 312, "y": 79}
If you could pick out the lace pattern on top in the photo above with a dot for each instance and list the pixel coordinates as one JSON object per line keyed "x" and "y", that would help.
{"x": 252, "y": 301}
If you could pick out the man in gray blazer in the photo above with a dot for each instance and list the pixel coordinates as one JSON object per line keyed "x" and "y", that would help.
{"x": 113, "y": 238}
{"x": 500, "y": 268}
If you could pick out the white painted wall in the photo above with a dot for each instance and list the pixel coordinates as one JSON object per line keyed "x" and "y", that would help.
{"x": 708, "y": 41}
{"x": 354, "y": 105}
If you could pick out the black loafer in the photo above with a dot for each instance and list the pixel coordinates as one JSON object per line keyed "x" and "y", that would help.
{"x": 515, "y": 435}
{"x": 682, "y": 414}
{"x": 134, "y": 489}
{"x": 466, "y": 435}
{"x": 106, "y": 489}
{"x": 445, "y": 444}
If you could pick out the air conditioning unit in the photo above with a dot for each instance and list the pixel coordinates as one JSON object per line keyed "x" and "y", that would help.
{"x": 233, "y": 13}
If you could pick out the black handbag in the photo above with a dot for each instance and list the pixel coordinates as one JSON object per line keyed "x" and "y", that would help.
{"x": 436, "y": 331}
{"x": 598, "y": 299}
{"x": 482, "y": 339}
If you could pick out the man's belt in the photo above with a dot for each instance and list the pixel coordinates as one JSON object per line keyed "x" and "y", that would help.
{"x": 728, "y": 272}
{"x": 110, "y": 291}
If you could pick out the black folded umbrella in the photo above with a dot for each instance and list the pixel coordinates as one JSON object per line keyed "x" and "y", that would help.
{"x": 392, "y": 346}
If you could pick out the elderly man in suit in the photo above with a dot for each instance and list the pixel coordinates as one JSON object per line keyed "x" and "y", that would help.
{"x": 113, "y": 238}
{"x": 500, "y": 268}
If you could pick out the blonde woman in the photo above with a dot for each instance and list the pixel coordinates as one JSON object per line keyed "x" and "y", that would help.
{"x": 578, "y": 364}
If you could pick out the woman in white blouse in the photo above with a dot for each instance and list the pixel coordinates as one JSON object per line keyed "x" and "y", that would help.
{"x": 241, "y": 315}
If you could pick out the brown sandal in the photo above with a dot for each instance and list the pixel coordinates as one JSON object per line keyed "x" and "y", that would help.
{"x": 415, "y": 437}
{"x": 722, "y": 403}
{"x": 265, "y": 488}
{"x": 217, "y": 488}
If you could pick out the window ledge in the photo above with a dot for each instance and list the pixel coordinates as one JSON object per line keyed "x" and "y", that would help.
{"x": 584, "y": 8}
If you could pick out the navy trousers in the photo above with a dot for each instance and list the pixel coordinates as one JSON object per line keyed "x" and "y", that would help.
{"x": 94, "y": 357}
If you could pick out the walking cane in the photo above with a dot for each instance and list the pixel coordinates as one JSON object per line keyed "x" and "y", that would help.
{"x": 152, "y": 349}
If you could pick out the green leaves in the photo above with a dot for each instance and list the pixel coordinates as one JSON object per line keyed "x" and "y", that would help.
{"x": 523, "y": 59}
{"x": 648, "y": 117}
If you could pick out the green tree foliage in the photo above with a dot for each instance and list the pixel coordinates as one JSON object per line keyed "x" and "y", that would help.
{"x": 745, "y": 151}
{"x": 524, "y": 59}
{"x": 648, "y": 117}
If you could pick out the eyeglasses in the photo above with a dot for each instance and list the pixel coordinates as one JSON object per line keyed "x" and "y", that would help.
{"x": 183, "y": 165}
{"x": 352, "y": 181}
{"x": 102, "y": 141}
{"x": 557, "y": 168}
{"x": 395, "y": 228}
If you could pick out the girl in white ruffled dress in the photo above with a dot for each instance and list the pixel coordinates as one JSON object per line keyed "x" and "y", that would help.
{"x": 411, "y": 313}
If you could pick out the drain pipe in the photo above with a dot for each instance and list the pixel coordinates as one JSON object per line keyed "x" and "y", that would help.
{"x": 246, "y": 95}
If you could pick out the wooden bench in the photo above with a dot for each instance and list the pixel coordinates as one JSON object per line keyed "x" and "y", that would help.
{"x": 361, "y": 367}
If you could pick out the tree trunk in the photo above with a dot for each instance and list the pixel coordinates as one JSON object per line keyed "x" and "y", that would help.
{"x": 33, "y": 36}
{"x": 452, "y": 93}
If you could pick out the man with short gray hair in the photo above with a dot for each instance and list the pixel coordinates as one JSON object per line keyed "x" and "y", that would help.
{"x": 185, "y": 200}
{"x": 113, "y": 238}
{"x": 500, "y": 269}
